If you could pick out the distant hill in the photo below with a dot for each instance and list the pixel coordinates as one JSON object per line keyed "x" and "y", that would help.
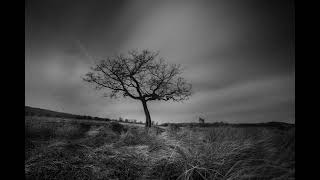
{"x": 279, "y": 125}
{"x": 32, "y": 111}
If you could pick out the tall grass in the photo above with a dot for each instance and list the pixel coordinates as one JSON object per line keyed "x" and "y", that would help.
{"x": 116, "y": 152}
{"x": 234, "y": 153}
{"x": 40, "y": 129}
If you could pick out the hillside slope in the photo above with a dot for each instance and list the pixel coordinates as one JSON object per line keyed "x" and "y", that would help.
{"x": 32, "y": 111}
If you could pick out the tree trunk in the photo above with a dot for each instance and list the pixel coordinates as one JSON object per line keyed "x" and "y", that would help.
{"x": 147, "y": 113}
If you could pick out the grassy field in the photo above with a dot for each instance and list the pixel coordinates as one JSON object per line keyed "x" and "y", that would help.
{"x": 70, "y": 149}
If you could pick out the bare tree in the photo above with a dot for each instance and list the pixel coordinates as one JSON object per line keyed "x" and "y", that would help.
{"x": 141, "y": 76}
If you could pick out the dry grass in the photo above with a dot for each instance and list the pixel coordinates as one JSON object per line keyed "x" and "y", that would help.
{"x": 114, "y": 152}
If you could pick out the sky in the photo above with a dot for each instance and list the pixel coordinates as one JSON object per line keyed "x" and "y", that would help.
{"x": 239, "y": 56}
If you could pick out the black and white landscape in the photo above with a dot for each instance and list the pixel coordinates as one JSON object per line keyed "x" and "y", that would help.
{"x": 195, "y": 89}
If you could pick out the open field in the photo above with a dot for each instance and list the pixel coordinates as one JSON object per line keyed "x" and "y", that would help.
{"x": 57, "y": 148}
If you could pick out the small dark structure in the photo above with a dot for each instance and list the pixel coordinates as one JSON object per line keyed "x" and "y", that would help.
{"x": 201, "y": 120}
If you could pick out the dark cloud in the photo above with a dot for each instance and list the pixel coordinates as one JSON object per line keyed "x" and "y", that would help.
{"x": 239, "y": 55}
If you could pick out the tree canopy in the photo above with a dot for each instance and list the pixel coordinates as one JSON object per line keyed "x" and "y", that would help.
{"x": 141, "y": 76}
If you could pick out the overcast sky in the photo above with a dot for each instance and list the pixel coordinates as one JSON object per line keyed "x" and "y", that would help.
{"x": 238, "y": 55}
